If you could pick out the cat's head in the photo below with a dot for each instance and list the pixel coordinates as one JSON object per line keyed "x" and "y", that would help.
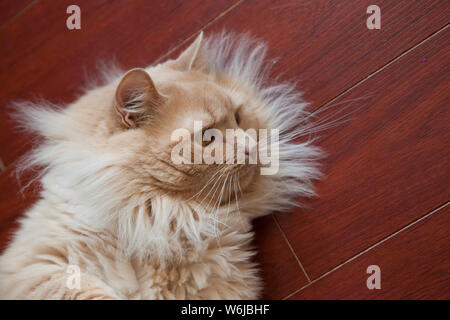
{"x": 125, "y": 142}
{"x": 191, "y": 127}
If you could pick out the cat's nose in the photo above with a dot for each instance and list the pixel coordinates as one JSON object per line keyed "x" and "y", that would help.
{"x": 251, "y": 146}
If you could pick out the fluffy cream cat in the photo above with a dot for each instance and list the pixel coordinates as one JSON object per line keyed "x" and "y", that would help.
{"x": 134, "y": 224}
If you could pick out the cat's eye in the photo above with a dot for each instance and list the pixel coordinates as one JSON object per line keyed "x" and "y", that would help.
{"x": 205, "y": 141}
{"x": 237, "y": 117}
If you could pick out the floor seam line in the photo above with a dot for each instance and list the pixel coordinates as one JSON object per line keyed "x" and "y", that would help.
{"x": 176, "y": 47}
{"x": 392, "y": 235}
{"x": 291, "y": 248}
{"x": 19, "y": 13}
{"x": 389, "y": 63}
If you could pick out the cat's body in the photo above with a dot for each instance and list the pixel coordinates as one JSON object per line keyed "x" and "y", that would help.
{"x": 38, "y": 264}
{"x": 135, "y": 225}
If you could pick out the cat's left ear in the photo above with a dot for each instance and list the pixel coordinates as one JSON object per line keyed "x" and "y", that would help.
{"x": 190, "y": 57}
{"x": 136, "y": 98}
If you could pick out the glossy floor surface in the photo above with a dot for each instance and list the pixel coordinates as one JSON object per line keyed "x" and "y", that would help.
{"x": 384, "y": 198}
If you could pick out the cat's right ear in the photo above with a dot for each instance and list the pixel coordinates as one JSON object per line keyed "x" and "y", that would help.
{"x": 136, "y": 98}
{"x": 189, "y": 58}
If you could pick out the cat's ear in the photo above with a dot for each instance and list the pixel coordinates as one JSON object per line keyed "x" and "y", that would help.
{"x": 136, "y": 97}
{"x": 190, "y": 57}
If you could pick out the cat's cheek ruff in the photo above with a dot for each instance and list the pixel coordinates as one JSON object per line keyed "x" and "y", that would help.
{"x": 280, "y": 107}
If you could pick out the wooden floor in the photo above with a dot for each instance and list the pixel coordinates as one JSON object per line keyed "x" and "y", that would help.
{"x": 384, "y": 200}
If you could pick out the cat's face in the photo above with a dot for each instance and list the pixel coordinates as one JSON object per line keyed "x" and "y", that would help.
{"x": 187, "y": 99}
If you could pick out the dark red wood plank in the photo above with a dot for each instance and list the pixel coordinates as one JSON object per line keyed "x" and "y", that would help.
{"x": 312, "y": 39}
{"x": 41, "y": 57}
{"x": 9, "y": 9}
{"x": 386, "y": 167}
{"x": 414, "y": 264}
{"x": 325, "y": 46}
{"x": 281, "y": 272}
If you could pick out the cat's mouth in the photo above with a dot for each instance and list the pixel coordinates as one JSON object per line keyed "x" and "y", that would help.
{"x": 240, "y": 177}
{"x": 226, "y": 185}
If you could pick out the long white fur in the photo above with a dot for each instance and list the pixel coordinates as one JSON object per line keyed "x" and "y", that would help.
{"x": 104, "y": 226}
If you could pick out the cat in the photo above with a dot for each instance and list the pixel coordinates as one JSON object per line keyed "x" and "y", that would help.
{"x": 114, "y": 209}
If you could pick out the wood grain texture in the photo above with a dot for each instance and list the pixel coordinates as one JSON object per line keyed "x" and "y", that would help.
{"x": 42, "y": 58}
{"x": 9, "y": 9}
{"x": 324, "y": 46}
{"x": 386, "y": 167}
{"x": 414, "y": 265}
{"x": 280, "y": 270}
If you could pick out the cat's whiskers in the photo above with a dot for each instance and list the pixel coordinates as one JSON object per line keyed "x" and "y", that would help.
{"x": 320, "y": 125}
{"x": 212, "y": 202}
{"x": 204, "y": 187}
{"x": 239, "y": 185}
{"x": 332, "y": 105}
{"x": 216, "y": 187}
{"x": 219, "y": 201}
{"x": 305, "y": 127}
{"x": 236, "y": 192}
{"x": 229, "y": 195}
{"x": 231, "y": 175}
{"x": 220, "y": 222}
{"x": 222, "y": 173}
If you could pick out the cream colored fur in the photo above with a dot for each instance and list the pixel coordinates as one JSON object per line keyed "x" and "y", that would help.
{"x": 129, "y": 222}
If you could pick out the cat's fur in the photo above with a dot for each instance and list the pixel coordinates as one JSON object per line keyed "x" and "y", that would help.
{"x": 113, "y": 205}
